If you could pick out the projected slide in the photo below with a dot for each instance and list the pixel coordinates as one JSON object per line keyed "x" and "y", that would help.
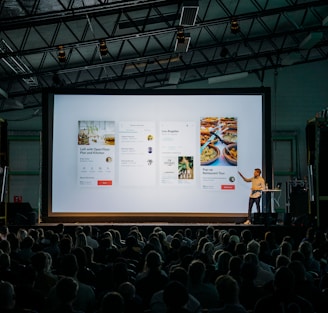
{"x": 153, "y": 153}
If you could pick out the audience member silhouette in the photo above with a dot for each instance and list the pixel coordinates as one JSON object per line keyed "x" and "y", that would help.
{"x": 132, "y": 301}
{"x": 27, "y": 296}
{"x": 45, "y": 279}
{"x": 249, "y": 293}
{"x": 66, "y": 293}
{"x": 228, "y": 290}
{"x": 157, "y": 303}
{"x": 112, "y": 302}
{"x": 205, "y": 293}
{"x": 263, "y": 277}
{"x": 175, "y": 296}
{"x": 85, "y": 300}
{"x": 7, "y": 297}
{"x": 152, "y": 278}
{"x": 92, "y": 242}
{"x": 283, "y": 299}
{"x": 305, "y": 288}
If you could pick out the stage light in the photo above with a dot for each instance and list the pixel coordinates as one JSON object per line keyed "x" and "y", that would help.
{"x": 61, "y": 54}
{"x": 182, "y": 41}
{"x": 103, "y": 47}
{"x": 234, "y": 26}
{"x": 180, "y": 35}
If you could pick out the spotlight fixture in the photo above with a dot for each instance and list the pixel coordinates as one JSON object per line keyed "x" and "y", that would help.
{"x": 182, "y": 41}
{"x": 180, "y": 35}
{"x": 103, "y": 47}
{"x": 61, "y": 54}
{"x": 234, "y": 26}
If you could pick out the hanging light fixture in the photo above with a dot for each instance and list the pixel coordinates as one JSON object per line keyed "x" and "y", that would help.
{"x": 180, "y": 35}
{"x": 103, "y": 47}
{"x": 234, "y": 26}
{"x": 61, "y": 54}
{"x": 182, "y": 41}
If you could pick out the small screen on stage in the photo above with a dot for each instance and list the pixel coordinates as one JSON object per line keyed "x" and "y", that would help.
{"x": 153, "y": 152}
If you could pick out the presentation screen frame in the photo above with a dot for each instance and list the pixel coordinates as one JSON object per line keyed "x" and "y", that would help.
{"x": 122, "y": 143}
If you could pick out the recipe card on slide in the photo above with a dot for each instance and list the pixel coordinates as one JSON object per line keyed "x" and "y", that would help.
{"x": 177, "y": 153}
{"x": 137, "y": 153}
{"x": 96, "y": 153}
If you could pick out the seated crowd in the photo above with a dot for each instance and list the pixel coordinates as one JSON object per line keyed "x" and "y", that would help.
{"x": 211, "y": 270}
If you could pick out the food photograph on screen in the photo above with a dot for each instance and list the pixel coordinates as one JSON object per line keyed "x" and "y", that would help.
{"x": 218, "y": 140}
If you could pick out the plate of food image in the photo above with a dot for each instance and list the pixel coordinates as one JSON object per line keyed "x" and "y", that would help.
{"x": 209, "y": 155}
{"x": 230, "y": 152}
{"x": 205, "y": 136}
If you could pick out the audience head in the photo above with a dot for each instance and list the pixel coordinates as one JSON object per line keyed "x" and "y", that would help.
{"x": 60, "y": 228}
{"x": 196, "y": 271}
{"x": 305, "y": 247}
{"x": 282, "y": 260}
{"x": 284, "y": 281}
{"x": 223, "y": 261}
{"x": 4, "y": 262}
{"x": 253, "y": 246}
{"x": 81, "y": 240}
{"x": 7, "y": 296}
{"x": 5, "y": 246}
{"x": 175, "y": 296}
{"x": 299, "y": 271}
{"x": 248, "y": 271}
{"x": 286, "y": 248}
{"x": 179, "y": 274}
{"x": 66, "y": 290}
{"x": 235, "y": 263}
{"x": 246, "y": 236}
{"x": 112, "y": 302}
{"x": 228, "y": 289}
{"x": 65, "y": 245}
{"x": 4, "y": 231}
{"x": 87, "y": 229}
{"x": 153, "y": 260}
{"x": 251, "y": 257}
{"x": 127, "y": 290}
{"x": 68, "y": 265}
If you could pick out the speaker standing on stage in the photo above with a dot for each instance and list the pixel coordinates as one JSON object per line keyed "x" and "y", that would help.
{"x": 258, "y": 184}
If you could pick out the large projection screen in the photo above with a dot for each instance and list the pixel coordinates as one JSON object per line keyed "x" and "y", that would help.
{"x": 153, "y": 154}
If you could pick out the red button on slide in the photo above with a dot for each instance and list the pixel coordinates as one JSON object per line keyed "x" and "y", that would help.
{"x": 104, "y": 182}
{"x": 228, "y": 187}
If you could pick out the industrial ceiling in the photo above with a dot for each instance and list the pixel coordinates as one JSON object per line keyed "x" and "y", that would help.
{"x": 103, "y": 44}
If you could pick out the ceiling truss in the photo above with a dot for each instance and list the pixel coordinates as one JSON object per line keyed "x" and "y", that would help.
{"x": 140, "y": 37}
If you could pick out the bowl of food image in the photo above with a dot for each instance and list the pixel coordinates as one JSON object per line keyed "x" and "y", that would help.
{"x": 109, "y": 139}
{"x": 209, "y": 155}
{"x": 230, "y": 153}
{"x": 204, "y": 136}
